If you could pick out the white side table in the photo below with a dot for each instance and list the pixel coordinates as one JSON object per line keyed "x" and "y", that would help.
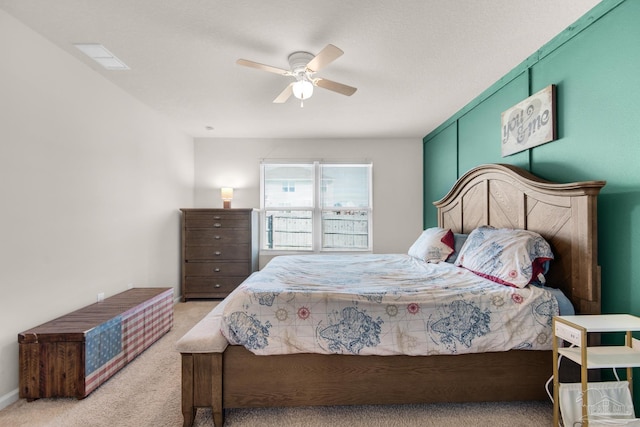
{"x": 574, "y": 329}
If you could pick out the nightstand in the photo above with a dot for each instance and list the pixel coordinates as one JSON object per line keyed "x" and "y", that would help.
{"x": 575, "y": 330}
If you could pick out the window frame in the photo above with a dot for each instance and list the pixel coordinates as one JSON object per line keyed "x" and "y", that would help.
{"x": 316, "y": 209}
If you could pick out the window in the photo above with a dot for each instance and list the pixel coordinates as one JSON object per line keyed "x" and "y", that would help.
{"x": 288, "y": 186}
{"x": 314, "y": 206}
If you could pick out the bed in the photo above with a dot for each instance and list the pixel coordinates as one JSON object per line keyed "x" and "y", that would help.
{"x": 218, "y": 375}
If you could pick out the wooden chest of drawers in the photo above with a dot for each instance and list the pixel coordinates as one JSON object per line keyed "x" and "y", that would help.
{"x": 219, "y": 250}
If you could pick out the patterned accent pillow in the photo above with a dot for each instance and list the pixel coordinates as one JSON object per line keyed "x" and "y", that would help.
{"x": 433, "y": 245}
{"x": 506, "y": 256}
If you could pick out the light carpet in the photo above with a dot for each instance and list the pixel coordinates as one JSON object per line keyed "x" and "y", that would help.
{"x": 147, "y": 393}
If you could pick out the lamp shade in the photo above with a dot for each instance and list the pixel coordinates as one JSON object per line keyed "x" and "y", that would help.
{"x": 226, "y": 193}
{"x": 303, "y": 89}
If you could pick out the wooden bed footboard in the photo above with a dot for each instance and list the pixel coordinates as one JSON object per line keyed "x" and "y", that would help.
{"x": 320, "y": 380}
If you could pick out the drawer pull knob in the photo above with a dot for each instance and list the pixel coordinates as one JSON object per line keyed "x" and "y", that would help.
{"x": 218, "y": 253}
{"x": 216, "y": 237}
{"x": 217, "y": 217}
{"x": 217, "y": 285}
{"x": 217, "y": 225}
{"x": 217, "y": 270}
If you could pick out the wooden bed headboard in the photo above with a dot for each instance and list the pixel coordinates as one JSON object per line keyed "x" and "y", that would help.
{"x": 505, "y": 196}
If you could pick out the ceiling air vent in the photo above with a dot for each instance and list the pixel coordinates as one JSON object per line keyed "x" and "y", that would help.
{"x": 102, "y": 56}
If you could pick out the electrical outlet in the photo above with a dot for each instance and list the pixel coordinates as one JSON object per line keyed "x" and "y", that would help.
{"x": 568, "y": 333}
{"x": 100, "y": 296}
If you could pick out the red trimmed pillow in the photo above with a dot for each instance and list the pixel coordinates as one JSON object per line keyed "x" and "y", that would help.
{"x": 507, "y": 256}
{"x": 433, "y": 245}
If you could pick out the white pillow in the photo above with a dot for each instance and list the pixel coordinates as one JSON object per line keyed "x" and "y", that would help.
{"x": 433, "y": 245}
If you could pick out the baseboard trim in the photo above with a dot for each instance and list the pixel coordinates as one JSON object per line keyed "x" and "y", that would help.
{"x": 8, "y": 399}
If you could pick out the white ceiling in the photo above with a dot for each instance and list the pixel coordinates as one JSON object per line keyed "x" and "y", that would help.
{"x": 415, "y": 62}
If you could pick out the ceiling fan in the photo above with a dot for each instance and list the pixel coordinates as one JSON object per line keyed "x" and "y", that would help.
{"x": 303, "y": 66}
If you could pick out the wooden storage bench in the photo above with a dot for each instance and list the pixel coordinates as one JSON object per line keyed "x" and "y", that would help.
{"x": 74, "y": 354}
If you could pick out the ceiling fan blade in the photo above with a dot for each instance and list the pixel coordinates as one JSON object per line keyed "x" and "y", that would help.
{"x": 263, "y": 67}
{"x": 284, "y": 95}
{"x": 335, "y": 86}
{"x": 326, "y": 56}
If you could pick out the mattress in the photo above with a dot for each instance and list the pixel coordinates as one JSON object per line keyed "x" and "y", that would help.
{"x": 378, "y": 304}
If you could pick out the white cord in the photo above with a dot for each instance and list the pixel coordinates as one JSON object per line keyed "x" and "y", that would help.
{"x": 546, "y": 385}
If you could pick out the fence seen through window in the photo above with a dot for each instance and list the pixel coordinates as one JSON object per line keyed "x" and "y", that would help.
{"x": 340, "y": 230}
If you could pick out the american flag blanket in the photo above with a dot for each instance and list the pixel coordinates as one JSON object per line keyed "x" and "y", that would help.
{"x": 111, "y": 345}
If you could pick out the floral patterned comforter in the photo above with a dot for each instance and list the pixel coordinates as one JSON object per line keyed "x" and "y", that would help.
{"x": 382, "y": 305}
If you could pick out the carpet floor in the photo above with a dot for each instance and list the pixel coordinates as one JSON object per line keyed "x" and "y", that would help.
{"x": 147, "y": 393}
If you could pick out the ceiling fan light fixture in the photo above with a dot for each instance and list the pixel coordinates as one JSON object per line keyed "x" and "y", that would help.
{"x": 303, "y": 89}
{"x": 302, "y": 67}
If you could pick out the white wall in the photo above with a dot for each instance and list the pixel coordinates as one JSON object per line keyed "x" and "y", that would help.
{"x": 397, "y": 177}
{"x": 91, "y": 181}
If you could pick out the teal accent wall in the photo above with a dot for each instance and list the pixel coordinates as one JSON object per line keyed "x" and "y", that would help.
{"x": 480, "y": 127}
{"x": 442, "y": 152}
{"x": 595, "y": 65}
